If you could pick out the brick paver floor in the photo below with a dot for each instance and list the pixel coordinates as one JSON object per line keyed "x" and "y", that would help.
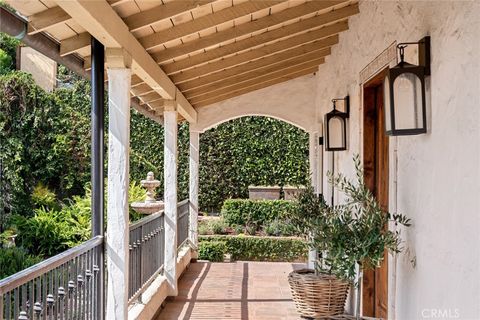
{"x": 233, "y": 291}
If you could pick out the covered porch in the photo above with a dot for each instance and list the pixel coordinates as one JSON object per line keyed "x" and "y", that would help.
{"x": 207, "y": 62}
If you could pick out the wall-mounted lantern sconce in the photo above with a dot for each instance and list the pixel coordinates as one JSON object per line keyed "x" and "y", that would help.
{"x": 336, "y": 126}
{"x": 404, "y": 92}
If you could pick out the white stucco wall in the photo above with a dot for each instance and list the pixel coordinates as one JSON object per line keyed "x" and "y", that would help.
{"x": 437, "y": 174}
{"x": 292, "y": 101}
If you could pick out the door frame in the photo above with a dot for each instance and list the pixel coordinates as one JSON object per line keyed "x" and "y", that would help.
{"x": 375, "y": 163}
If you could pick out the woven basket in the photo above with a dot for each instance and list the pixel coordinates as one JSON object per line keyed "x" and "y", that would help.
{"x": 317, "y": 296}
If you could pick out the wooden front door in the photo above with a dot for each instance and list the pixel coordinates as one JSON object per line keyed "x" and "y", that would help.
{"x": 375, "y": 142}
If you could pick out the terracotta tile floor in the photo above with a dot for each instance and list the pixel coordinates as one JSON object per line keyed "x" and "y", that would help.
{"x": 231, "y": 291}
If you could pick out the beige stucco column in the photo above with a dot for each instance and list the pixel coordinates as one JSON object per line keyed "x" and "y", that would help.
{"x": 119, "y": 75}
{"x": 170, "y": 173}
{"x": 193, "y": 187}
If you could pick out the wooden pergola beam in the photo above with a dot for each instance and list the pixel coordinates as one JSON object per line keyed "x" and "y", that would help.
{"x": 296, "y": 55}
{"x": 135, "y": 22}
{"x": 205, "y": 22}
{"x": 257, "y": 54}
{"x": 287, "y": 31}
{"x": 102, "y": 22}
{"x": 255, "y": 87}
{"x": 141, "y": 90}
{"x": 243, "y": 29}
{"x": 266, "y": 73}
{"x": 161, "y": 12}
{"x": 75, "y": 43}
{"x": 46, "y": 19}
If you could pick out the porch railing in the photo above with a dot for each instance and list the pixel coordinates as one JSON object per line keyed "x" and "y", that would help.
{"x": 147, "y": 247}
{"x": 62, "y": 287}
{"x": 183, "y": 209}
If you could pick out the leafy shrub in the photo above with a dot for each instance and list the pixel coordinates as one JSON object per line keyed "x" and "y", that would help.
{"x": 261, "y": 248}
{"x": 212, "y": 250}
{"x": 15, "y": 259}
{"x": 203, "y": 228}
{"x": 280, "y": 228}
{"x": 217, "y": 226}
{"x": 43, "y": 197}
{"x": 255, "y": 213}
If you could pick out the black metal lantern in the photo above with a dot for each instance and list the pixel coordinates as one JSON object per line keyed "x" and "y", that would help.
{"x": 336, "y": 126}
{"x": 404, "y": 93}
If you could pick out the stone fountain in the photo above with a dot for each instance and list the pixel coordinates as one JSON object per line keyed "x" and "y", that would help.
{"x": 150, "y": 205}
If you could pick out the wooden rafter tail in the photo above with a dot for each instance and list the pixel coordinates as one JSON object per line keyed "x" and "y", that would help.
{"x": 47, "y": 19}
{"x": 254, "y": 88}
{"x": 244, "y": 29}
{"x": 75, "y": 43}
{"x": 255, "y": 67}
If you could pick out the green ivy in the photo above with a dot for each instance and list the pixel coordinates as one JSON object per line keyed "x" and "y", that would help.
{"x": 253, "y": 248}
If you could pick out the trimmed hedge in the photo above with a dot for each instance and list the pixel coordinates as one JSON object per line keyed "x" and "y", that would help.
{"x": 212, "y": 250}
{"x": 255, "y": 213}
{"x": 252, "y": 248}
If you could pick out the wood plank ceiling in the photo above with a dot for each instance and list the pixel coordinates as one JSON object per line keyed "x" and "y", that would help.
{"x": 211, "y": 50}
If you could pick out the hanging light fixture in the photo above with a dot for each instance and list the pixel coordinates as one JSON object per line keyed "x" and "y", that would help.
{"x": 404, "y": 92}
{"x": 336, "y": 126}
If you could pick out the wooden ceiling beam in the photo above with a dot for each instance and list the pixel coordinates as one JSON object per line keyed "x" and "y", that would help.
{"x": 295, "y": 55}
{"x": 265, "y": 73}
{"x": 141, "y": 90}
{"x": 75, "y": 43}
{"x": 291, "y": 44}
{"x": 243, "y": 29}
{"x": 150, "y": 97}
{"x": 161, "y": 12}
{"x": 255, "y": 87}
{"x": 102, "y": 22}
{"x": 205, "y": 22}
{"x": 46, "y": 19}
{"x": 287, "y": 31}
{"x": 135, "y": 22}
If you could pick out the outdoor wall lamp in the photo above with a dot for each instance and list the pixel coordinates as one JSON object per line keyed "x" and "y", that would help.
{"x": 404, "y": 92}
{"x": 336, "y": 126}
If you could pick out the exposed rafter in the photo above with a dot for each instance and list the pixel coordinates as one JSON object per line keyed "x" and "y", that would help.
{"x": 255, "y": 87}
{"x": 100, "y": 20}
{"x": 247, "y": 80}
{"x": 288, "y": 57}
{"x": 46, "y": 19}
{"x": 205, "y": 22}
{"x": 243, "y": 29}
{"x": 329, "y": 35}
{"x": 257, "y": 54}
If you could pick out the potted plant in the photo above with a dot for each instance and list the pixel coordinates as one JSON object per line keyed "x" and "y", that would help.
{"x": 350, "y": 236}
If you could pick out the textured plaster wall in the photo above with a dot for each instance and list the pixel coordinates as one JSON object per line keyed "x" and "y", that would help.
{"x": 434, "y": 178}
{"x": 292, "y": 101}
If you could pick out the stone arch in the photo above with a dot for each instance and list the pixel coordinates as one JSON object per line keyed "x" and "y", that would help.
{"x": 292, "y": 101}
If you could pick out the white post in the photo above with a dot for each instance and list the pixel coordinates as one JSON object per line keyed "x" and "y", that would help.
{"x": 119, "y": 75}
{"x": 313, "y": 162}
{"x": 193, "y": 190}
{"x": 170, "y": 174}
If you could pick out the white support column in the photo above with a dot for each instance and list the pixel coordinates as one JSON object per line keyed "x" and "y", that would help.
{"x": 313, "y": 162}
{"x": 119, "y": 75}
{"x": 193, "y": 190}
{"x": 170, "y": 198}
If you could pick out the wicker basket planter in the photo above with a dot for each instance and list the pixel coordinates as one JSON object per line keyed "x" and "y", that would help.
{"x": 317, "y": 296}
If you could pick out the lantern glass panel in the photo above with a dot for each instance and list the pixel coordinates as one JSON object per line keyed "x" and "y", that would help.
{"x": 336, "y": 133}
{"x": 386, "y": 103}
{"x": 407, "y": 90}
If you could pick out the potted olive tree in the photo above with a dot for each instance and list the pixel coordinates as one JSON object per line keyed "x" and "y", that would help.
{"x": 351, "y": 237}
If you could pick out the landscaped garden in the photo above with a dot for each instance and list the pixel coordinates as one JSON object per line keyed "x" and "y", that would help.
{"x": 45, "y": 171}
